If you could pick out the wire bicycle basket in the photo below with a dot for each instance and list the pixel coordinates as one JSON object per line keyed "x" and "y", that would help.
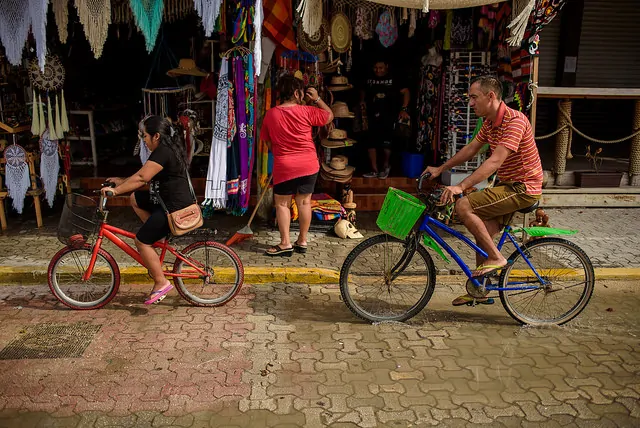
{"x": 79, "y": 220}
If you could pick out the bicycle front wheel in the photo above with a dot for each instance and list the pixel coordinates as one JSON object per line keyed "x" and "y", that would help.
{"x": 223, "y": 277}
{"x": 565, "y": 286}
{"x": 65, "y": 278}
{"x": 381, "y": 280}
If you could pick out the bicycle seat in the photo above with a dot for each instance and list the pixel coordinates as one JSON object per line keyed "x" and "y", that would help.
{"x": 530, "y": 209}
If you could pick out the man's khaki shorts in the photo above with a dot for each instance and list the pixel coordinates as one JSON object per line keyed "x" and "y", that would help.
{"x": 501, "y": 202}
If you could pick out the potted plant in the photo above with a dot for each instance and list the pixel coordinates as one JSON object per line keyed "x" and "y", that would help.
{"x": 597, "y": 178}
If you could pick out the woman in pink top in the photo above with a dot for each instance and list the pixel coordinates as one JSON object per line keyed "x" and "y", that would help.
{"x": 287, "y": 130}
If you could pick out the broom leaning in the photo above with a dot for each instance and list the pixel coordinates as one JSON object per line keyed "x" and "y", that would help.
{"x": 246, "y": 232}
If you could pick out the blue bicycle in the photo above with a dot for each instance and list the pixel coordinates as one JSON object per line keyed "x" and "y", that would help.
{"x": 547, "y": 281}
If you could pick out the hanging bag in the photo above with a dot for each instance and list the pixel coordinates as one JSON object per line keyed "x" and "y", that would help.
{"x": 187, "y": 219}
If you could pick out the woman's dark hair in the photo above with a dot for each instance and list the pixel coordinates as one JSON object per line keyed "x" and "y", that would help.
{"x": 287, "y": 87}
{"x": 170, "y": 136}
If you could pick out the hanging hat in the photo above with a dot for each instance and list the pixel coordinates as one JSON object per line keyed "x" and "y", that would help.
{"x": 344, "y": 229}
{"x": 52, "y": 78}
{"x": 340, "y": 33}
{"x": 317, "y": 43}
{"x": 186, "y": 67}
{"x": 339, "y": 83}
{"x": 341, "y": 110}
{"x": 329, "y": 67}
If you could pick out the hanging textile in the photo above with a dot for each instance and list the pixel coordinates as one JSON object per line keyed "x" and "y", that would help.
{"x": 95, "y": 16}
{"x": 428, "y": 101}
{"x": 263, "y": 149}
{"x": 543, "y": 14}
{"x": 521, "y": 12}
{"x": 387, "y": 29}
{"x": 49, "y": 166}
{"x": 48, "y": 82}
{"x": 233, "y": 152}
{"x": 15, "y": 21}
{"x": 278, "y": 22}
{"x": 250, "y": 91}
{"x": 17, "y": 175}
{"x": 208, "y": 11}
{"x": 61, "y": 13}
{"x": 38, "y": 11}
{"x": 243, "y": 143}
{"x": 148, "y": 17}
{"x": 243, "y": 23}
{"x": 257, "y": 47}
{"x": 310, "y": 12}
{"x": 216, "y": 187}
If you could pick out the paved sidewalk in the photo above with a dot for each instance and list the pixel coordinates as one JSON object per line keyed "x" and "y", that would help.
{"x": 609, "y": 236}
{"x": 294, "y": 356}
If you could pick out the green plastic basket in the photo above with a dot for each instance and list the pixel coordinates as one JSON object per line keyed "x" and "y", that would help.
{"x": 399, "y": 213}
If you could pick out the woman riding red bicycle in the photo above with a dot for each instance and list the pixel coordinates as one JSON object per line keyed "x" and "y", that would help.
{"x": 166, "y": 171}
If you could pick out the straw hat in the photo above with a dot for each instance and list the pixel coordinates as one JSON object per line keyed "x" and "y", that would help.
{"x": 339, "y": 83}
{"x": 340, "y": 109}
{"x": 337, "y": 138}
{"x": 317, "y": 43}
{"x": 340, "y": 33}
{"x": 346, "y": 171}
{"x": 339, "y": 162}
{"x": 186, "y": 67}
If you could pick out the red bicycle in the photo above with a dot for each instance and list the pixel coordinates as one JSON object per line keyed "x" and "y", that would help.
{"x": 83, "y": 275}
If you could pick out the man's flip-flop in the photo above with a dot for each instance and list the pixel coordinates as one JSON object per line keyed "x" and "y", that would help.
{"x": 278, "y": 251}
{"x": 492, "y": 269}
{"x": 156, "y": 296}
{"x": 468, "y": 300}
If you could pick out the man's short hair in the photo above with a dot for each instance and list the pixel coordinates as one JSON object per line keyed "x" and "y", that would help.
{"x": 489, "y": 84}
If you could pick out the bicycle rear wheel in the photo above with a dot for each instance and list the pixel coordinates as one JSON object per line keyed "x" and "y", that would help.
{"x": 567, "y": 286}
{"x": 65, "y": 278}
{"x": 224, "y": 274}
{"x": 370, "y": 289}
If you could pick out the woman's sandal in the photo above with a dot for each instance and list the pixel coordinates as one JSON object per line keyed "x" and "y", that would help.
{"x": 302, "y": 249}
{"x": 277, "y": 251}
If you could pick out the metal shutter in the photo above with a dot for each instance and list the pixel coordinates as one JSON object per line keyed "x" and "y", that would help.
{"x": 609, "y": 55}
{"x": 549, "y": 43}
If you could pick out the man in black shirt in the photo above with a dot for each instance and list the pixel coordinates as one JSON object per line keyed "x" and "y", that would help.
{"x": 386, "y": 101}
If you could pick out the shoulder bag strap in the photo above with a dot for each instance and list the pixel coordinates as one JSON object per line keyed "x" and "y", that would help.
{"x": 193, "y": 193}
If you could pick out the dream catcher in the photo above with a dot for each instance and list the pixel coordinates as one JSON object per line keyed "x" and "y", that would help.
{"x": 49, "y": 82}
{"x": 17, "y": 175}
{"x": 49, "y": 166}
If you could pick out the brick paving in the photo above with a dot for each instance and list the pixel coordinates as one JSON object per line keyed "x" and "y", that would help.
{"x": 293, "y": 355}
{"x": 607, "y": 235}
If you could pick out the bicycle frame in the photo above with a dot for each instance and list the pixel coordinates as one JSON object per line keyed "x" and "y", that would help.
{"x": 111, "y": 232}
{"x": 427, "y": 227}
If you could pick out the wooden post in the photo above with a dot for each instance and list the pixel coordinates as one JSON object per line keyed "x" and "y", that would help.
{"x": 534, "y": 105}
{"x": 562, "y": 139}
{"x": 35, "y": 193}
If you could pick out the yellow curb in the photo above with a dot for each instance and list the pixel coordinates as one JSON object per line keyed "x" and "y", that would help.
{"x": 23, "y": 275}
{"x": 30, "y": 275}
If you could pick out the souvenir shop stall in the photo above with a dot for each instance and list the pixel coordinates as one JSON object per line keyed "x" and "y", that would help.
{"x": 434, "y": 49}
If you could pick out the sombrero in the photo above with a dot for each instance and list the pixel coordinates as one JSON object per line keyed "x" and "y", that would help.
{"x": 317, "y": 43}
{"x": 186, "y": 67}
{"x": 339, "y": 83}
{"x": 340, "y": 33}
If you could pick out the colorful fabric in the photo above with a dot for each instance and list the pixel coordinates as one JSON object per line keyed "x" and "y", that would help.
{"x": 243, "y": 144}
{"x": 148, "y": 17}
{"x": 263, "y": 149}
{"x": 278, "y": 22}
{"x": 208, "y": 11}
{"x": 512, "y": 130}
{"x": 233, "y": 152}
{"x": 250, "y": 102}
{"x": 289, "y": 131}
{"x": 215, "y": 191}
{"x": 427, "y": 104}
{"x": 243, "y": 23}
{"x": 387, "y": 29}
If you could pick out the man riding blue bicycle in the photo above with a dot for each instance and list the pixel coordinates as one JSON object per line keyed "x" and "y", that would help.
{"x": 514, "y": 156}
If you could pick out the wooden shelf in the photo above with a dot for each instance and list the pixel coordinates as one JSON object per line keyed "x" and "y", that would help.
{"x": 17, "y": 130}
